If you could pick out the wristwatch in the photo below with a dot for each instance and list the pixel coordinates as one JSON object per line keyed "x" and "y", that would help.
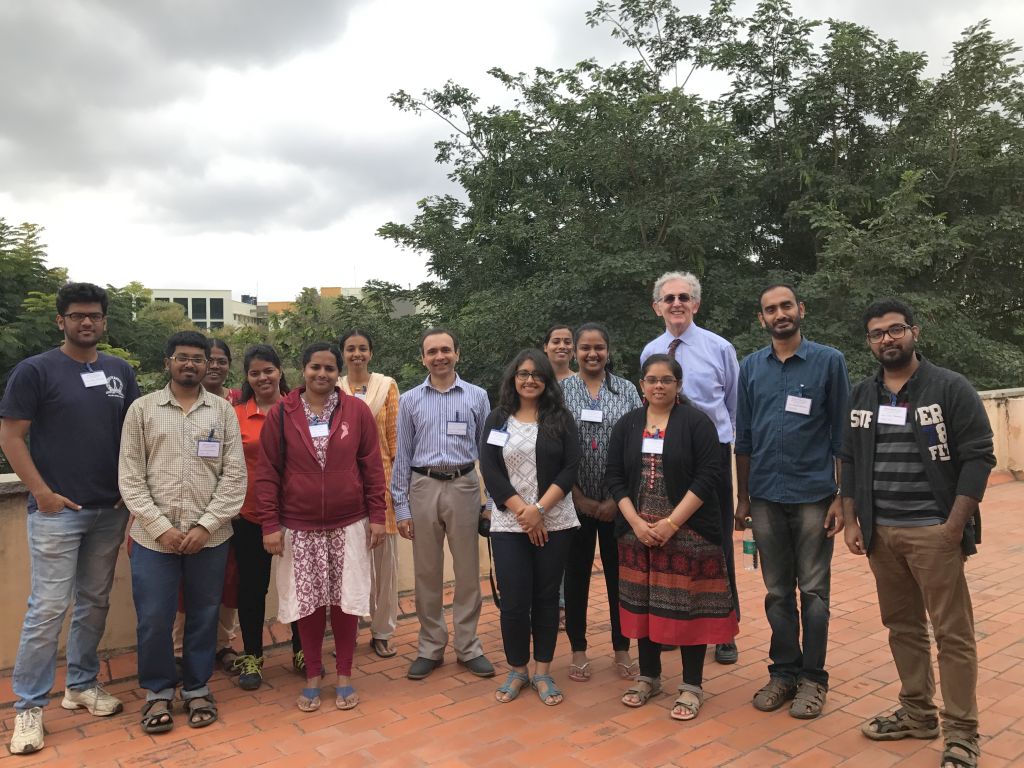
{"x": 540, "y": 507}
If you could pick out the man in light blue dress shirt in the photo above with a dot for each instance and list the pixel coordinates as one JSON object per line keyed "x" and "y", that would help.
{"x": 710, "y": 378}
{"x": 436, "y": 491}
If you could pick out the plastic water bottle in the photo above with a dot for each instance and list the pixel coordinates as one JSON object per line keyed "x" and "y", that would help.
{"x": 749, "y": 546}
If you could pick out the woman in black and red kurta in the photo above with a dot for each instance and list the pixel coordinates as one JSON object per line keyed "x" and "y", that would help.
{"x": 673, "y": 584}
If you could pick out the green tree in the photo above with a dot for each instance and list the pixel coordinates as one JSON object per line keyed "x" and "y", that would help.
{"x": 836, "y": 165}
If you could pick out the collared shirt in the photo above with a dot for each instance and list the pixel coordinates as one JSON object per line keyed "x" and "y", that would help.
{"x": 165, "y": 483}
{"x": 710, "y": 374}
{"x": 594, "y": 436}
{"x": 424, "y": 414}
{"x": 792, "y": 455}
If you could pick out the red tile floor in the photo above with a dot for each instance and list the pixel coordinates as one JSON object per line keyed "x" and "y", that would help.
{"x": 452, "y": 720}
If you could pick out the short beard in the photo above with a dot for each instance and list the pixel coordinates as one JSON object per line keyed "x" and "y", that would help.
{"x": 788, "y": 334}
{"x": 899, "y": 362}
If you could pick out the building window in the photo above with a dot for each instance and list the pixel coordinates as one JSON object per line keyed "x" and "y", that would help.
{"x": 216, "y": 309}
{"x": 165, "y": 301}
{"x": 216, "y": 323}
{"x": 184, "y": 304}
{"x": 198, "y": 309}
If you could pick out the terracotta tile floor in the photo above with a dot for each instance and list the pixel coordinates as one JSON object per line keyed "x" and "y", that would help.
{"x": 451, "y": 718}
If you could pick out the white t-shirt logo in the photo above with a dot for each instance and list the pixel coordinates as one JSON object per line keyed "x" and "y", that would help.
{"x": 115, "y": 387}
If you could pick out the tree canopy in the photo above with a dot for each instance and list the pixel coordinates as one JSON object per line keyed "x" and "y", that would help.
{"x": 830, "y": 162}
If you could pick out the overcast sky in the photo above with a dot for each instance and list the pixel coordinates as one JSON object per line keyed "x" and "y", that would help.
{"x": 249, "y": 144}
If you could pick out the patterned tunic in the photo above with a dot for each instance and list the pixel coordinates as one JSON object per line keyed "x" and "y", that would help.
{"x": 677, "y": 594}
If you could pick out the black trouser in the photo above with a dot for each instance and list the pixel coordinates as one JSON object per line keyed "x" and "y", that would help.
{"x": 528, "y": 580}
{"x": 578, "y": 569}
{"x": 253, "y": 563}
{"x": 727, "y": 508}
{"x": 693, "y": 660}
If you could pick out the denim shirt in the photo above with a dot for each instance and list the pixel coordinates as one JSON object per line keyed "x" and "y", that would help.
{"x": 792, "y": 454}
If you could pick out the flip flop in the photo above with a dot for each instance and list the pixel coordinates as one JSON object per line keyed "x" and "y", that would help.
{"x": 345, "y": 697}
{"x": 382, "y": 647}
{"x": 580, "y": 672}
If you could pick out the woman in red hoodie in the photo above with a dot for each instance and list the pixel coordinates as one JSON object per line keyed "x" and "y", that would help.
{"x": 320, "y": 492}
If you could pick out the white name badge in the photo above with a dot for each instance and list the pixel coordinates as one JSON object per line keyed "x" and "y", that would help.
{"x": 458, "y": 428}
{"x": 497, "y": 437}
{"x": 653, "y": 445}
{"x": 208, "y": 449}
{"x": 319, "y": 430}
{"x": 361, "y": 395}
{"x": 889, "y": 414}
{"x": 94, "y": 379}
{"x": 801, "y": 405}
{"x": 595, "y": 415}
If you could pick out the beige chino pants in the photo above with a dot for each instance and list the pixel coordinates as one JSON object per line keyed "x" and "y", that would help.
{"x": 446, "y": 509}
{"x": 918, "y": 574}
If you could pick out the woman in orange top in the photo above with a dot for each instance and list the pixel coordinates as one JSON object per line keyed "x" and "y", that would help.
{"x": 380, "y": 393}
{"x": 264, "y": 385}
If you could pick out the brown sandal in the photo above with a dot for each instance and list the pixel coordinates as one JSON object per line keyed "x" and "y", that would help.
{"x": 688, "y": 703}
{"x": 809, "y": 700}
{"x": 900, "y": 725}
{"x": 774, "y": 695}
{"x": 645, "y": 688}
{"x": 965, "y": 756}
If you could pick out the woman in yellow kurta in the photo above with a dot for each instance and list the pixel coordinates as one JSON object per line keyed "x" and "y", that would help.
{"x": 381, "y": 394}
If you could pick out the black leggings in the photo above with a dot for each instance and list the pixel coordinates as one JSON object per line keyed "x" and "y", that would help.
{"x": 253, "y": 563}
{"x": 528, "y": 579}
{"x": 693, "y": 661}
{"x": 578, "y": 570}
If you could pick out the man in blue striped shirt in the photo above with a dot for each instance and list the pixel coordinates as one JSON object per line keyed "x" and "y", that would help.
{"x": 436, "y": 493}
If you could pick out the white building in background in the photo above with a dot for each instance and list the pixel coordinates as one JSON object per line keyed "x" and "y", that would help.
{"x": 211, "y": 309}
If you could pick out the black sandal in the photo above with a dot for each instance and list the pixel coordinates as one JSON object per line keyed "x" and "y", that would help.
{"x": 199, "y": 706}
{"x": 965, "y": 756}
{"x": 226, "y": 657}
{"x": 382, "y": 647}
{"x": 157, "y": 722}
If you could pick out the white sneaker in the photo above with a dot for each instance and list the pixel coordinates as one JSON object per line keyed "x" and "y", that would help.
{"x": 95, "y": 699}
{"x": 28, "y": 732}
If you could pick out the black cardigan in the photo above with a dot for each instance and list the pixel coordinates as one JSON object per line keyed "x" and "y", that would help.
{"x": 557, "y": 461}
{"x": 690, "y": 462}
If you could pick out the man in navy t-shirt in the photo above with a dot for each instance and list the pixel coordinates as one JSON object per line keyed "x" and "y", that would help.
{"x": 70, "y": 403}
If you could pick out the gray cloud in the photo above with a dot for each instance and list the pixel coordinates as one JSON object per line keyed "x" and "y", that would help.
{"x": 82, "y": 83}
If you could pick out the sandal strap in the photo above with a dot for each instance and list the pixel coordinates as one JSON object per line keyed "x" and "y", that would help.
{"x": 899, "y": 721}
{"x": 696, "y": 690}
{"x": 967, "y": 745}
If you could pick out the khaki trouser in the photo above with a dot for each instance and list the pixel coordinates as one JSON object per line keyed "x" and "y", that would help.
{"x": 918, "y": 571}
{"x": 440, "y": 509}
{"x": 384, "y": 589}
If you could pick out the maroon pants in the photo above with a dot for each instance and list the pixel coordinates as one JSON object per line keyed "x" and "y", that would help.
{"x": 311, "y": 632}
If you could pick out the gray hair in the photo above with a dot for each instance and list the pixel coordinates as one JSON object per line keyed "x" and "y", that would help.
{"x": 687, "y": 277}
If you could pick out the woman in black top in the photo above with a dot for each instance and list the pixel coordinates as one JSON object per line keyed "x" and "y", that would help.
{"x": 673, "y": 583}
{"x": 528, "y": 460}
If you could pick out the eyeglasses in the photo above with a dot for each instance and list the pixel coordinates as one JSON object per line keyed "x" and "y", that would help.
{"x": 894, "y": 332}
{"x": 194, "y": 359}
{"x": 670, "y": 298}
{"x": 524, "y": 375}
{"x": 666, "y": 381}
{"x": 77, "y": 317}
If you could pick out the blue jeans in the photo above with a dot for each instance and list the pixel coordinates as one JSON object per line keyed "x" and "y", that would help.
{"x": 795, "y": 553}
{"x": 156, "y": 579}
{"x": 72, "y": 557}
